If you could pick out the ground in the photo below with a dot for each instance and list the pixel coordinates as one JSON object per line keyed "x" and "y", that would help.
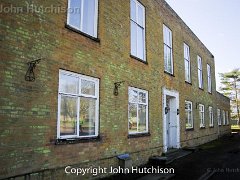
{"x": 219, "y": 159}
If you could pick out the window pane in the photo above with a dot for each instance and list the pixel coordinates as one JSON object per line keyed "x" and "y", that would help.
{"x": 165, "y": 57}
{"x": 74, "y": 13}
{"x": 169, "y": 60}
{"x": 200, "y": 78}
{"x": 186, "y": 118}
{"x": 186, "y": 51}
{"x": 87, "y": 116}
{"x": 133, "y": 39}
{"x": 68, "y": 84}
{"x": 132, "y": 118}
{"x": 167, "y": 36}
{"x": 140, "y": 16}
{"x": 68, "y": 116}
{"x": 87, "y": 87}
{"x": 133, "y": 11}
{"x": 199, "y": 63}
{"x": 142, "y": 118}
{"x": 140, "y": 43}
{"x": 186, "y": 70}
{"x": 142, "y": 97}
{"x": 88, "y": 16}
{"x": 133, "y": 96}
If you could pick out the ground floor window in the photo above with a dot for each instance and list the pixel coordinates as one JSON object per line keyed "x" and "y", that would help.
{"x": 188, "y": 114}
{"x": 201, "y": 115}
{"x": 78, "y": 103}
{"x": 227, "y": 117}
{"x": 137, "y": 111}
{"x": 219, "y": 117}
{"x": 224, "y": 117}
{"x": 210, "y": 116}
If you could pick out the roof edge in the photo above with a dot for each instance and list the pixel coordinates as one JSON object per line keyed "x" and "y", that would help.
{"x": 186, "y": 26}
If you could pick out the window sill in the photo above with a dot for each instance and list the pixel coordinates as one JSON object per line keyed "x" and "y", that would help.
{"x": 77, "y": 140}
{"x": 141, "y": 60}
{"x": 188, "y": 82}
{"x": 82, "y": 33}
{"x": 138, "y": 135}
{"x": 169, "y": 73}
{"x": 189, "y": 129}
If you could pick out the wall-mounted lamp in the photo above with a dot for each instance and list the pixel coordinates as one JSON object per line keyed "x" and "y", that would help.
{"x": 178, "y": 112}
{"x": 166, "y": 110}
{"x": 197, "y": 104}
{"x": 30, "y": 76}
{"x": 116, "y": 86}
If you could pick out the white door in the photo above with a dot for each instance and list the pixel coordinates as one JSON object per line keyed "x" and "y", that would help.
{"x": 171, "y": 122}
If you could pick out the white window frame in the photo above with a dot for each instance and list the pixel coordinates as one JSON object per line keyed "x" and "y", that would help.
{"x": 167, "y": 43}
{"x": 201, "y": 115}
{"x": 138, "y": 4}
{"x": 138, "y": 103}
{"x": 78, "y": 95}
{"x": 189, "y": 118}
{"x": 209, "y": 78}
{"x": 187, "y": 60}
{"x": 224, "y": 117}
{"x": 200, "y": 72}
{"x": 227, "y": 116}
{"x": 219, "y": 117}
{"x": 211, "y": 123}
{"x": 81, "y": 21}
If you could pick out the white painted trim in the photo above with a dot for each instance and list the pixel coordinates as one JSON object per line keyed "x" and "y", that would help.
{"x": 95, "y": 23}
{"x": 175, "y": 94}
{"x": 191, "y": 110}
{"x": 137, "y": 103}
{"x": 96, "y": 97}
{"x": 143, "y": 27}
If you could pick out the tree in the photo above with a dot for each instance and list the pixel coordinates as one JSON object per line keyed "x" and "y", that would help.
{"x": 231, "y": 88}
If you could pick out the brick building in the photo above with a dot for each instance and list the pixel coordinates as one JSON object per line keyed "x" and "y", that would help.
{"x": 114, "y": 77}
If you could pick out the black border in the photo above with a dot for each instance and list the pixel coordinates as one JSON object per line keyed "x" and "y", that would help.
{"x": 79, "y": 139}
{"x": 80, "y": 32}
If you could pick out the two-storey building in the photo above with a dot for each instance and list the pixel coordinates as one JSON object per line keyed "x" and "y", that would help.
{"x": 111, "y": 77}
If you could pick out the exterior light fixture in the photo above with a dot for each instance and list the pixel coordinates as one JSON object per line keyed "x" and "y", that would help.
{"x": 166, "y": 110}
{"x": 116, "y": 86}
{"x": 197, "y": 105}
{"x": 30, "y": 76}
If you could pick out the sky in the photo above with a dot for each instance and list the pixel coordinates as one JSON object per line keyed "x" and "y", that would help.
{"x": 217, "y": 25}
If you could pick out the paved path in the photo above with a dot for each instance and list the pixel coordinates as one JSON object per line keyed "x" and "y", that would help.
{"x": 216, "y": 160}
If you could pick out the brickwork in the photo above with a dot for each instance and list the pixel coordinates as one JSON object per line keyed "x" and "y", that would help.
{"x": 28, "y": 110}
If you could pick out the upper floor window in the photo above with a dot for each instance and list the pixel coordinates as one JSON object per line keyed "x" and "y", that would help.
{"x": 210, "y": 116}
{"x": 168, "y": 57}
{"x": 138, "y": 30}
{"x": 224, "y": 117}
{"x": 200, "y": 73}
{"x": 219, "y": 117}
{"x": 82, "y": 15}
{"x": 137, "y": 111}
{"x": 209, "y": 78}
{"x": 187, "y": 62}
{"x": 78, "y": 103}
{"x": 188, "y": 114}
{"x": 201, "y": 115}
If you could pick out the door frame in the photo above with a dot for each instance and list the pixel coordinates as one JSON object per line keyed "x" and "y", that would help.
{"x": 175, "y": 94}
